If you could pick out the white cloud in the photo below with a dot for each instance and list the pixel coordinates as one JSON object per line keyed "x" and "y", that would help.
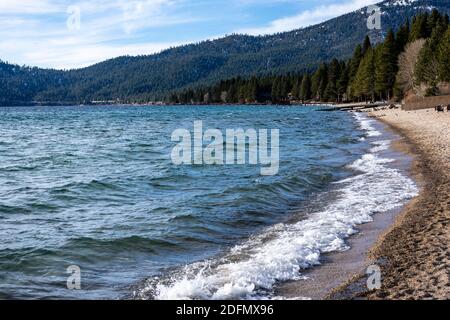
{"x": 34, "y": 32}
{"x": 29, "y": 6}
{"x": 309, "y": 17}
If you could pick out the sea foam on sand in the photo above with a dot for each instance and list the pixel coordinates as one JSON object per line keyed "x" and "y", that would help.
{"x": 251, "y": 269}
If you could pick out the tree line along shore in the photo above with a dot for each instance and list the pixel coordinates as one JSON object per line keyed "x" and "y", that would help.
{"x": 413, "y": 61}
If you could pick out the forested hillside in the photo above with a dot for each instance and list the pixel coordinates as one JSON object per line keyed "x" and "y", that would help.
{"x": 414, "y": 59}
{"x": 154, "y": 77}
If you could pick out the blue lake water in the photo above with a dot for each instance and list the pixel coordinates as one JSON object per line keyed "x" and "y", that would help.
{"x": 95, "y": 187}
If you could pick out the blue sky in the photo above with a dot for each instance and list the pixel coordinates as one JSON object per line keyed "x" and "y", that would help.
{"x": 72, "y": 34}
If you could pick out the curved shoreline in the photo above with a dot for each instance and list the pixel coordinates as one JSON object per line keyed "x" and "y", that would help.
{"x": 339, "y": 267}
{"x": 414, "y": 252}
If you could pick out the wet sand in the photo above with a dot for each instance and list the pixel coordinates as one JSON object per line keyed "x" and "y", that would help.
{"x": 340, "y": 267}
{"x": 414, "y": 254}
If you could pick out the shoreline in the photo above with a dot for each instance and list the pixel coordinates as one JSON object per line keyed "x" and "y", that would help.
{"x": 164, "y": 104}
{"x": 340, "y": 267}
{"x": 413, "y": 252}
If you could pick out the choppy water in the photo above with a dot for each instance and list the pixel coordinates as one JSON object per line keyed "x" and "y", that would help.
{"x": 95, "y": 187}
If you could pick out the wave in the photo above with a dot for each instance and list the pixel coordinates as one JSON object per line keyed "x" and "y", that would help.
{"x": 366, "y": 125}
{"x": 135, "y": 243}
{"x": 90, "y": 185}
{"x": 250, "y": 270}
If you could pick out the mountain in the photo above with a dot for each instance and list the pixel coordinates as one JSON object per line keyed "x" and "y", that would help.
{"x": 152, "y": 77}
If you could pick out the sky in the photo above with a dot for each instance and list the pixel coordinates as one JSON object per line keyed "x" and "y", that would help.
{"x": 66, "y": 34}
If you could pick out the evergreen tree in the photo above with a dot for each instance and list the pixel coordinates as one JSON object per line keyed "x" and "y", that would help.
{"x": 232, "y": 93}
{"x": 427, "y": 68}
{"x": 319, "y": 82}
{"x": 434, "y": 19}
{"x": 386, "y": 66}
{"x": 296, "y": 88}
{"x": 444, "y": 57}
{"x": 402, "y": 37}
{"x": 353, "y": 69}
{"x": 355, "y": 61}
{"x": 365, "y": 77}
{"x": 305, "y": 90}
{"x": 252, "y": 91}
{"x": 334, "y": 74}
{"x": 285, "y": 88}
{"x": 419, "y": 28}
{"x": 276, "y": 90}
{"x": 366, "y": 45}
{"x": 343, "y": 81}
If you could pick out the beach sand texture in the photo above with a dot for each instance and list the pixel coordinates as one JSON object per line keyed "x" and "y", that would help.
{"x": 415, "y": 253}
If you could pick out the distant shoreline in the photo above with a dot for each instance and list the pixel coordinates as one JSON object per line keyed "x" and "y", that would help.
{"x": 156, "y": 104}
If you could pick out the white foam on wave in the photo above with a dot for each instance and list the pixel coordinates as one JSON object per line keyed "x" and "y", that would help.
{"x": 366, "y": 125}
{"x": 250, "y": 270}
{"x": 381, "y": 145}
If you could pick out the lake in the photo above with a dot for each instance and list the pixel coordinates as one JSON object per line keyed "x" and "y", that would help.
{"x": 96, "y": 188}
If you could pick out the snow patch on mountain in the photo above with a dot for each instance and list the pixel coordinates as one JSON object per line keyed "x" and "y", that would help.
{"x": 400, "y": 3}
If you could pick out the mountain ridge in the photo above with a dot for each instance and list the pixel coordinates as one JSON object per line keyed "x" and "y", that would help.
{"x": 152, "y": 77}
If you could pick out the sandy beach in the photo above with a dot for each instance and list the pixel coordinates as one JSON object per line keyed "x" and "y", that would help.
{"x": 414, "y": 253}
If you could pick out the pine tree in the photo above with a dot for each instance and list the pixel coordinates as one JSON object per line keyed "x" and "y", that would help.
{"x": 305, "y": 89}
{"x": 276, "y": 90}
{"x": 444, "y": 57}
{"x": 343, "y": 81}
{"x": 428, "y": 68}
{"x": 366, "y": 45}
{"x": 284, "y": 88}
{"x": 323, "y": 80}
{"x": 252, "y": 90}
{"x": 402, "y": 37}
{"x": 365, "y": 77}
{"x": 355, "y": 61}
{"x": 386, "y": 66}
{"x": 419, "y": 28}
{"x": 232, "y": 93}
{"x": 315, "y": 83}
{"x": 319, "y": 82}
{"x": 354, "y": 89}
{"x": 296, "y": 88}
{"x": 353, "y": 69}
{"x": 334, "y": 73}
{"x": 434, "y": 19}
